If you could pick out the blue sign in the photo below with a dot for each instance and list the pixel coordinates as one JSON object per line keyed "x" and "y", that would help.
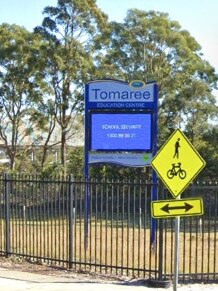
{"x": 112, "y": 94}
{"x": 123, "y": 159}
{"x": 120, "y": 117}
{"x": 120, "y": 128}
{"x": 121, "y": 131}
{"x": 137, "y": 84}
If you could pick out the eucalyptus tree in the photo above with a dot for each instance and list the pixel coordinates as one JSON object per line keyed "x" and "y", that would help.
{"x": 150, "y": 46}
{"x": 21, "y": 88}
{"x": 44, "y": 120}
{"x": 210, "y": 149}
{"x": 69, "y": 30}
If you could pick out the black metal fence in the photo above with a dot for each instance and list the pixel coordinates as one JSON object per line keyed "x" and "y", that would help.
{"x": 108, "y": 231}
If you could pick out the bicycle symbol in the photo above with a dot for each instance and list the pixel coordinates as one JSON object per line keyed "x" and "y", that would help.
{"x": 176, "y": 169}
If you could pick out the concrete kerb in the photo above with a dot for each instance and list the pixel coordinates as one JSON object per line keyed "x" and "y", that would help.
{"x": 17, "y": 280}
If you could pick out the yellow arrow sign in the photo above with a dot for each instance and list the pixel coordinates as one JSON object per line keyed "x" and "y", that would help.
{"x": 177, "y": 163}
{"x": 180, "y": 207}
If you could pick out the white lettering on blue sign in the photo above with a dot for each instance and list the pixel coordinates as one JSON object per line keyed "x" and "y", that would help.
{"x": 120, "y": 105}
{"x": 117, "y": 95}
{"x": 116, "y": 92}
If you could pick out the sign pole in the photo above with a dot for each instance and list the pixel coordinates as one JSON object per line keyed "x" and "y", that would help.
{"x": 154, "y": 174}
{"x": 176, "y": 251}
{"x": 86, "y": 176}
{"x": 172, "y": 163}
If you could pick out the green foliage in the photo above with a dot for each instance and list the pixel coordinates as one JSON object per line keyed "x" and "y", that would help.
{"x": 149, "y": 46}
{"x": 209, "y": 151}
{"x": 20, "y": 87}
{"x": 76, "y": 162}
{"x": 52, "y": 169}
{"x": 68, "y": 32}
{"x": 42, "y": 77}
{"x": 112, "y": 172}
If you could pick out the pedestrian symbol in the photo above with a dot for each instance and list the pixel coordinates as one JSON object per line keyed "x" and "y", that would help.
{"x": 177, "y": 163}
{"x": 177, "y": 146}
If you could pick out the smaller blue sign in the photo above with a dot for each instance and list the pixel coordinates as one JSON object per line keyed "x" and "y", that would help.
{"x": 118, "y": 95}
{"x": 122, "y": 159}
{"x": 121, "y": 131}
{"x": 137, "y": 84}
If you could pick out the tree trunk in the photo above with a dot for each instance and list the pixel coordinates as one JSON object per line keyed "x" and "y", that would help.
{"x": 63, "y": 151}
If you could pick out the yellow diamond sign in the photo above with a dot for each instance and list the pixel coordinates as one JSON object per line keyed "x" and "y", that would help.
{"x": 177, "y": 163}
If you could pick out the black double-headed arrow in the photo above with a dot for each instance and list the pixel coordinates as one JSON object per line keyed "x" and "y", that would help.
{"x": 179, "y": 207}
{"x": 186, "y": 207}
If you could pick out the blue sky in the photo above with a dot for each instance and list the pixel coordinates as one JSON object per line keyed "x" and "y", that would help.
{"x": 199, "y": 17}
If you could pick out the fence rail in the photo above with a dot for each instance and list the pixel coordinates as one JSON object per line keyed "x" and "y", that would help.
{"x": 109, "y": 231}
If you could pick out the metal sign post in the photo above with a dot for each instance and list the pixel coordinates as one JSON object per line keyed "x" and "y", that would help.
{"x": 177, "y": 163}
{"x": 176, "y": 252}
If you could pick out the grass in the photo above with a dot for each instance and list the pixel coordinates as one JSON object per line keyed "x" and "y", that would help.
{"x": 111, "y": 244}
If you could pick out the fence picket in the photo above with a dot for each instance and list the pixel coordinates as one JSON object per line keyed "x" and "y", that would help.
{"x": 45, "y": 219}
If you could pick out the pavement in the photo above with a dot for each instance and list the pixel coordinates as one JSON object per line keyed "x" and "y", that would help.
{"x": 11, "y": 280}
